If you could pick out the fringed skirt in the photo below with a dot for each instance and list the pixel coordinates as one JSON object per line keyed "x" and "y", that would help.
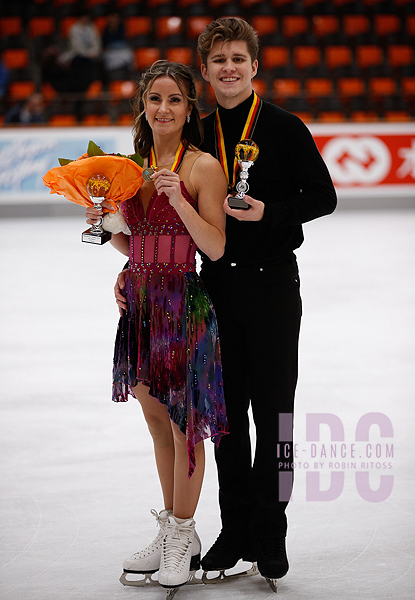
{"x": 168, "y": 340}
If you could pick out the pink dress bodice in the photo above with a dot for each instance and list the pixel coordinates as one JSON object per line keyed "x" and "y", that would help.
{"x": 159, "y": 242}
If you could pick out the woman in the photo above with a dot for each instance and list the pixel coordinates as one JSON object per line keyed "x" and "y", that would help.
{"x": 167, "y": 352}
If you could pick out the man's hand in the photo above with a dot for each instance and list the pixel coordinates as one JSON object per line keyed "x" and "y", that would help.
{"x": 255, "y": 213}
{"x": 119, "y": 298}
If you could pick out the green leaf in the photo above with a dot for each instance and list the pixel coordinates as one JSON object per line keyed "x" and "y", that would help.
{"x": 94, "y": 150}
{"x": 137, "y": 158}
{"x": 64, "y": 161}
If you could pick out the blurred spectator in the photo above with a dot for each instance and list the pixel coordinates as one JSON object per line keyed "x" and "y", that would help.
{"x": 84, "y": 53}
{"x": 4, "y": 78}
{"x": 117, "y": 55}
{"x": 28, "y": 112}
{"x": 57, "y": 73}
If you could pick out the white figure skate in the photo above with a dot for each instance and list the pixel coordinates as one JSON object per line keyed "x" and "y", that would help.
{"x": 141, "y": 566}
{"x": 180, "y": 557}
{"x": 147, "y": 561}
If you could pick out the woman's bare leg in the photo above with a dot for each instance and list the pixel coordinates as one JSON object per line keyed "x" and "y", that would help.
{"x": 180, "y": 493}
{"x": 159, "y": 425}
{"x": 186, "y": 491}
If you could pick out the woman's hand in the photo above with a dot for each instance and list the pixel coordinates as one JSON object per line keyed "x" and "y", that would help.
{"x": 93, "y": 215}
{"x": 168, "y": 182}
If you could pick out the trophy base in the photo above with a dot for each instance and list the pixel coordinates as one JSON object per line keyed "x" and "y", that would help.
{"x": 239, "y": 203}
{"x": 96, "y": 238}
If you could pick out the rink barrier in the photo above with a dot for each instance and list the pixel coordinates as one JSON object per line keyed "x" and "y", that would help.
{"x": 372, "y": 164}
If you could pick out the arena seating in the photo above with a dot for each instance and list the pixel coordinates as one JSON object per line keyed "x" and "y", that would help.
{"x": 344, "y": 60}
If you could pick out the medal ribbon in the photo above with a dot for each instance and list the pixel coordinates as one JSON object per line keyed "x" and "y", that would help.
{"x": 248, "y": 130}
{"x": 178, "y": 159}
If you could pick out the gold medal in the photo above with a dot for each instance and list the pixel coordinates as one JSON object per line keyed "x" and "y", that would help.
{"x": 147, "y": 173}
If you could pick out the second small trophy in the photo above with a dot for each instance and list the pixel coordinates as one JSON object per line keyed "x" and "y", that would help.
{"x": 98, "y": 186}
{"x": 246, "y": 152}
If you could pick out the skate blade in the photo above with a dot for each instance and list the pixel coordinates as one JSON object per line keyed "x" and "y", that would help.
{"x": 138, "y": 580}
{"x": 272, "y": 584}
{"x": 223, "y": 577}
{"x": 192, "y": 580}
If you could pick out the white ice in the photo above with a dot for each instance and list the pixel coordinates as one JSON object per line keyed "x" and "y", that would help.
{"x": 77, "y": 471}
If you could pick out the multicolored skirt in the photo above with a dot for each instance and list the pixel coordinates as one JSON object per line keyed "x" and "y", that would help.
{"x": 168, "y": 340}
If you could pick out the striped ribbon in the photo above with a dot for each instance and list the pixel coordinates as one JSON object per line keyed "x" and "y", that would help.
{"x": 247, "y": 132}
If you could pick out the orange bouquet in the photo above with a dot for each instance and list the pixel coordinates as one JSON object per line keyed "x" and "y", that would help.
{"x": 70, "y": 179}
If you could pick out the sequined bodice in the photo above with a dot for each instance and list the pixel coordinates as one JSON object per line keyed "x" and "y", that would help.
{"x": 159, "y": 242}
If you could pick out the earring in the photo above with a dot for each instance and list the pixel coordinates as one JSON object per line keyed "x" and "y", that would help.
{"x": 188, "y": 118}
{"x": 145, "y": 114}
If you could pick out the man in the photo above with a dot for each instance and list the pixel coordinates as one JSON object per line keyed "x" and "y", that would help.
{"x": 254, "y": 288}
{"x": 30, "y": 111}
{"x": 255, "y": 291}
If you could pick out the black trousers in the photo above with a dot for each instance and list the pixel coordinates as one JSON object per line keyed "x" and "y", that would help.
{"x": 258, "y": 308}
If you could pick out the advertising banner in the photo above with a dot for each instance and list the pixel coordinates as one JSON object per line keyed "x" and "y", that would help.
{"x": 27, "y": 154}
{"x": 369, "y": 159}
{"x": 364, "y": 160}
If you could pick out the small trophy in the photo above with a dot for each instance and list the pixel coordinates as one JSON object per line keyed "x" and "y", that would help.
{"x": 97, "y": 186}
{"x": 246, "y": 153}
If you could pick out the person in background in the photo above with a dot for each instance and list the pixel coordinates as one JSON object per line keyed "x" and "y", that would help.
{"x": 84, "y": 53}
{"x": 29, "y": 112}
{"x": 4, "y": 78}
{"x": 57, "y": 72}
{"x": 118, "y": 57}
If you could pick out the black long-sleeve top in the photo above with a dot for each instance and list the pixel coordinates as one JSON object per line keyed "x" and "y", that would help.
{"x": 289, "y": 176}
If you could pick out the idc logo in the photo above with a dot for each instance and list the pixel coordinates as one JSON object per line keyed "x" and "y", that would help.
{"x": 357, "y": 160}
{"x": 362, "y": 456}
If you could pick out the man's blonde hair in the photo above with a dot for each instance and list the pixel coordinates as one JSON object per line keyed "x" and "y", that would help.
{"x": 227, "y": 30}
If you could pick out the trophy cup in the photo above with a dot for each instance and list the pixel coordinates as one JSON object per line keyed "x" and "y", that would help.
{"x": 97, "y": 186}
{"x": 246, "y": 152}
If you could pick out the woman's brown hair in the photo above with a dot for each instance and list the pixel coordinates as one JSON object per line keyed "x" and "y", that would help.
{"x": 183, "y": 76}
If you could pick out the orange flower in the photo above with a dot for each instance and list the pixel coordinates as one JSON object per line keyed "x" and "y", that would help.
{"x": 70, "y": 180}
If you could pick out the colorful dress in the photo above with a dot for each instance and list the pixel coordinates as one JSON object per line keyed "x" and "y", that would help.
{"x": 168, "y": 337}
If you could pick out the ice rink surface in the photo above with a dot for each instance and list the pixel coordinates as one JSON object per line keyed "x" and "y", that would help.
{"x": 77, "y": 471}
